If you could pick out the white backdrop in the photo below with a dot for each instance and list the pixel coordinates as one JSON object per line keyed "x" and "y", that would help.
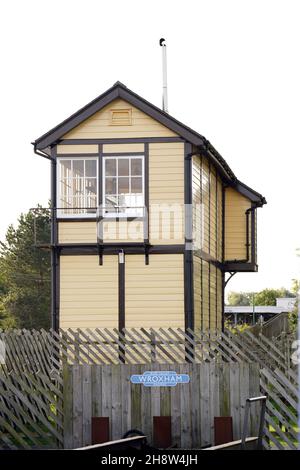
{"x": 233, "y": 75}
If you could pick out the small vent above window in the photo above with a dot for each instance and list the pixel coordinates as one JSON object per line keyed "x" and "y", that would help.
{"x": 120, "y": 117}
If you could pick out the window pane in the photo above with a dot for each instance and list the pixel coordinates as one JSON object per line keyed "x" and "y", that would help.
{"x": 64, "y": 188}
{"x": 110, "y": 167}
{"x": 91, "y": 168}
{"x": 110, "y": 203}
{"x": 91, "y": 186}
{"x": 124, "y": 201}
{"x": 79, "y": 201}
{"x": 136, "y": 200}
{"x": 123, "y": 168}
{"x": 78, "y": 168}
{"x": 77, "y": 186}
{"x": 91, "y": 203}
{"x": 136, "y": 166}
{"x": 110, "y": 185}
{"x": 123, "y": 185}
{"x": 65, "y": 168}
{"x": 65, "y": 202}
{"x": 136, "y": 185}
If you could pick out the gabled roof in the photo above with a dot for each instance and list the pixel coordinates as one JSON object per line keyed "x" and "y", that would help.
{"x": 119, "y": 90}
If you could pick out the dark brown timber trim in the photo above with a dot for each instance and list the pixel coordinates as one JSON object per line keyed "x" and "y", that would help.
{"x": 54, "y": 249}
{"x": 147, "y": 204}
{"x": 209, "y": 247}
{"x": 223, "y": 301}
{"x": 134, "y": 249}
{"x": 240, "y": 267}
{"x": 100, "y": 170}
{"x": 188, "y": 253}
{"x": 217, "y": 225}
{"x": 121, "y": 290}
{"x": 124, "y": 140}
{"x": 253, "y": 234}
{"x": 123, "y": 154}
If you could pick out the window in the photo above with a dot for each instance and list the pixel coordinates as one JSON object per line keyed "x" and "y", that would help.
{"x": 77, "y": 186}
{"x": 123, "y": 186}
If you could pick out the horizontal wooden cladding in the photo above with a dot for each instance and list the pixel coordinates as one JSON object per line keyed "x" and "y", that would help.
{"x": 236, "y": 206}
{"x": 154, "y": 293}
{"x": 73, "y": 149}
{"x": 166, "y": 192}
{"x": 207, "y": 295}
{"x": 77, "y": 232}
{"x": 88, "y": 292}
{"x": 207, "y": 207}
{"x": 165, "y": 229}
{"x": 99, "y": 125}
{"x": 123, "y": 231}
{"x": 126, "y": 148}
{"x": 197, "y": 291}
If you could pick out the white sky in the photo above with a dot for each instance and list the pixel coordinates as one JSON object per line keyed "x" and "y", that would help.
{"x": 233, "y": 76}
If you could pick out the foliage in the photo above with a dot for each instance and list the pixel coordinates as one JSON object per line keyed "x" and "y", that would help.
{"x": 269, "y": 296}
{"x": 264, "y": 297}
{"x": 239, "y": 298}
{"x": 293, "y": 316}
{"x": 239, "y": 328}
{"x": 25, "y": 273}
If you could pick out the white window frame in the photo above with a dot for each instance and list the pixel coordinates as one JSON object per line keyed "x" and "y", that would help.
{"x": 62, "y": 212}
{"x": 130, "y": 212}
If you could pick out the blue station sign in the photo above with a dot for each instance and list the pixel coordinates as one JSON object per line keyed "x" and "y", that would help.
{"x": 160, "y": 379}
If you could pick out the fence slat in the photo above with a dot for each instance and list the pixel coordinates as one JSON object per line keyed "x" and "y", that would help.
{"x": 54, "y": 382}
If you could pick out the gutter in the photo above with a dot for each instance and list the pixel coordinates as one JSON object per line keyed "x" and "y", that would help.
{"x": 40, "y": 153}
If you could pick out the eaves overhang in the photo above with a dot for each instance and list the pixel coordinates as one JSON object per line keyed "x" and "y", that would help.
{"x": 43, "y": 144}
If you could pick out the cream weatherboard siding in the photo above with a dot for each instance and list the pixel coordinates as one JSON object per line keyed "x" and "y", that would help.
{"x": 166, "y": 193}
{"x": 197, "y": 292}
{"x": 207, "y": 295}
{"x": 88, "y": 292}
{"x": 63, "y": 150}
{"x": 154, "y": 293}
{"x": 235, "y": 225}
{"x": 99, "y": 125}
{"x": 126, "y": 148}
{"x": 77, "y": 232}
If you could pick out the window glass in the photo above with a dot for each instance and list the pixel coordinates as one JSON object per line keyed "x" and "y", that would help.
{"x": 123, "y": 167}
{"x": 77, "y": 186}
{"x": 111, "y": 185}
{"x": 91, "y": 168}
{"x": 136, "y": 185}
{"x": 78, "y": 168}
{"x": 136, "y": 167}
{"x": 110, "y": 167}
{"x": 123, "y": 185}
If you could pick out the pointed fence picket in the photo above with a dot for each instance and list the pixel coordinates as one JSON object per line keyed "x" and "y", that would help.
{"x": 42, "y": 368}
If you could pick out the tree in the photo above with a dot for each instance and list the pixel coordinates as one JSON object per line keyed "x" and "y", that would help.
{"x": 293, "y": 316}
{"x": 269, "y": 296}
{"x": 239, "y": 298}
{"x": 25, "y": 273}
{"x": 6, "y": 320}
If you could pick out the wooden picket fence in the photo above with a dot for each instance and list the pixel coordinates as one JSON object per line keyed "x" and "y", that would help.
{"x": 281, "y": 431}
{"x": 215, "y": 389}
{"x": 32, "y": 395}
{"x": 31, "y": 398}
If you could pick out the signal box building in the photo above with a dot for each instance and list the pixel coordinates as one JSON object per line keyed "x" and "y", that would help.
{"x": 147, "y": 218}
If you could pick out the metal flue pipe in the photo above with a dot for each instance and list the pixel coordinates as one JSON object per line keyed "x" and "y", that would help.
{"x": 162, "y": 43}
